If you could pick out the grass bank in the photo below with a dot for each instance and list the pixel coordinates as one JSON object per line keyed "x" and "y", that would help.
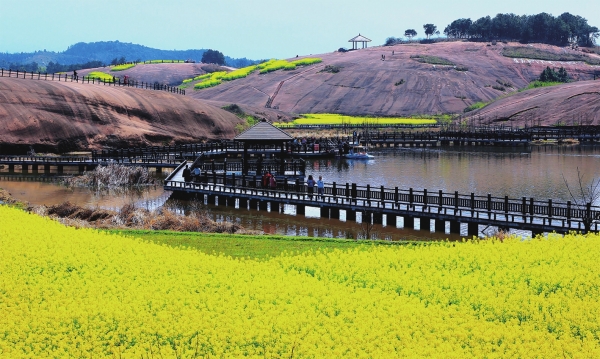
{"x": 250, "y": 246}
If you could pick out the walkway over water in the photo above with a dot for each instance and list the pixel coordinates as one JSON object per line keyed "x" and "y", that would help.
{"x": 432, "y": 208}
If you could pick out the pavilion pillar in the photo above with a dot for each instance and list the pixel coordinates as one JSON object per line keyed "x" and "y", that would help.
{"x": 245, "y": 160}
{"x": 282, "y": 160}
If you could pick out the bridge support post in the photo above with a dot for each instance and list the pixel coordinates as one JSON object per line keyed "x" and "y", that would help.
{"x": 472, "y": 229}
{"x": 81, "y": 168}
{"x": 230, "y": 201}
{"x": 391, "y": 220}
{"x": 210, "y": 199}
{"x": 377, "y": 218}
{"x": 409, "y": 222}
{"x": 334, "y": 213}
{"x": 324, "y": 212}
{"x": 243, "y": 203}
{"x": 426, "y": 223}
{"x": 350, "y": 215}
{"x": 25, "y": 168}
{"x": 11, "y": 168}
{"x": 158, "y": 169}
{"x": 34, "y": 168}
{"x": 440, "y": 226}
{"x": 221, "y": 201}
{"x": 262, "y": 205}
{"x": 253, "y": 204}
{"x": 46, "y": 169}
{"x": 300, "y": 209}
{"x": 276, "y": 207}
{"x": 455, "y": 227}
{"x": 59, "y": 169}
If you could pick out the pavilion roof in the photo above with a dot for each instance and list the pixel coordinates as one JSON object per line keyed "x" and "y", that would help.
{"x": 263, "y": 132}
{"x": 359, "y": 38}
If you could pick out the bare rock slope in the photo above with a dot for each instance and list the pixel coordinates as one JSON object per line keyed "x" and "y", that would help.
{"x": 568, "y": 104}
{"x": 399, "y": 84}
{"x": 65, "y": 116}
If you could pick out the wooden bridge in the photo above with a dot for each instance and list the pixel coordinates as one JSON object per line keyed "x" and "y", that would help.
{"x": 375, "y": 204}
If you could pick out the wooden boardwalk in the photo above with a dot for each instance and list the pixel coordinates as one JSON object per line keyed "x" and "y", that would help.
{"x": 432, "y": 208}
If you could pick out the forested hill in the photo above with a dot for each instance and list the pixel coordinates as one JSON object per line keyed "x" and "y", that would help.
{"x": 106, "y": 51}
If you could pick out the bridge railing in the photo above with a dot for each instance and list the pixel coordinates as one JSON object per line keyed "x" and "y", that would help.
{"x": 523, "y": 209}
{"x": 45, "y": 159}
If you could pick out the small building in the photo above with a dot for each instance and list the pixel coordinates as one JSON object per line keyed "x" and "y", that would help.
{"x": 359, "y": 39}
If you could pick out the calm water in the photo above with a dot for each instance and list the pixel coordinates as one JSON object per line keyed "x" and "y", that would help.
{"x": 531, "y": 172}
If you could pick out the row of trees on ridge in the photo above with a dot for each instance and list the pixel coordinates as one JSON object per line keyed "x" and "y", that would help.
{"x": 543, "y": 27}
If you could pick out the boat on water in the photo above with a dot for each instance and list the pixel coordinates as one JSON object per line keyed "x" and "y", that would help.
{"x": 358, "y": 153}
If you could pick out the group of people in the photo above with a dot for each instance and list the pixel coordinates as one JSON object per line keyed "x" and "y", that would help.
{"x": 189, "y": 174}
{"x": 269, "y": 181}
{"x": 310, "y": 186}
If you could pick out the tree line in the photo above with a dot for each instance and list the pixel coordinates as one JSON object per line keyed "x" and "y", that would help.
{"x": 544, "y": 28}
{"x": 52, "y": 67}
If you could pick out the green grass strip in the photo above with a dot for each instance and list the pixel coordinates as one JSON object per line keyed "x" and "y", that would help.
{"x": 122, "y": 67}
{"x": 251, "y": 246}
{"x": 164, "y": 62}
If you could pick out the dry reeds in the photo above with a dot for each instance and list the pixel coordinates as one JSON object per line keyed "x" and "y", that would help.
{"x": 113, "y": 175}
{"x": 137, "y": 218}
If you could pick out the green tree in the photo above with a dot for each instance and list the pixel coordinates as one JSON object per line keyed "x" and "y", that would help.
{"x": 410, "y": 33}
{"x": 213, "y": 57}
{"x": 430, "y": 29}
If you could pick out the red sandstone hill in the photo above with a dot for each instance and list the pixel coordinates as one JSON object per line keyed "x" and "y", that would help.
{"x": 568, "y": 104}
{"x": 365, "y": 84}
{"x": 66, "y": 116}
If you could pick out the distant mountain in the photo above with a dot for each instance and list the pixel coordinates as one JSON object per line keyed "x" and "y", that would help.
{"x": 106, "y": 51}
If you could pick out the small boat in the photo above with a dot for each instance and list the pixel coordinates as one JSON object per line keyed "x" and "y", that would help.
{"x": 358, "y": 153}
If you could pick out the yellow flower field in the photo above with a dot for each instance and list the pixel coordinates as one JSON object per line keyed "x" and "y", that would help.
{"x": 336, "y": 119}
{"x": 78, "y": 293}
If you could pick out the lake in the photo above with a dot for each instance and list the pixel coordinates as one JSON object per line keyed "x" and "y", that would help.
{"x": 535, "y": 171}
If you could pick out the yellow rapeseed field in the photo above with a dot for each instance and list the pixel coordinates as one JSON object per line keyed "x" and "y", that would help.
{"x": 78, "y": 293}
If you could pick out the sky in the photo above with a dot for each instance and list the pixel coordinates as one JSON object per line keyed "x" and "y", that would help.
{"x": 255, "y": 29}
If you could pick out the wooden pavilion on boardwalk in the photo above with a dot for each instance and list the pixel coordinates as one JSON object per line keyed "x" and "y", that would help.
{"x": 266, "y": 142}
{"x": 261, "y": 148}
{"x": 359, "y": 39}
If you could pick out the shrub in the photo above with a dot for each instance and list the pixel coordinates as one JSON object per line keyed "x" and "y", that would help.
{"x": 499, "y": 88}
{"x": 399, "y": 82}
{"x": 461, "y": 68}
{"x": 475, "y": 106}
{"x": 334, "y": 69}
{"x": 434, "y": 60}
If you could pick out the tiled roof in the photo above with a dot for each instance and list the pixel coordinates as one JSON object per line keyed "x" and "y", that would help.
{"x": 263, "y": 131}
{"x": 359, "y": 38}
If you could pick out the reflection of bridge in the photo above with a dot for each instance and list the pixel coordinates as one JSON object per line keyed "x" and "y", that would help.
{"x": 376, "y": 203}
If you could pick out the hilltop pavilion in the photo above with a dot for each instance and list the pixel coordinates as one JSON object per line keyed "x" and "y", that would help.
{"x": 359, "y": 39}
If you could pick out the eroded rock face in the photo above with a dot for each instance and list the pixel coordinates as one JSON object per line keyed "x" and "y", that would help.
{"x": 576, "y": 103}
{"x": 64, "y": 116}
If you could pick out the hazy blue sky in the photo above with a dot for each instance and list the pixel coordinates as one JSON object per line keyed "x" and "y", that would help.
{"x": 255, "y": 29}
